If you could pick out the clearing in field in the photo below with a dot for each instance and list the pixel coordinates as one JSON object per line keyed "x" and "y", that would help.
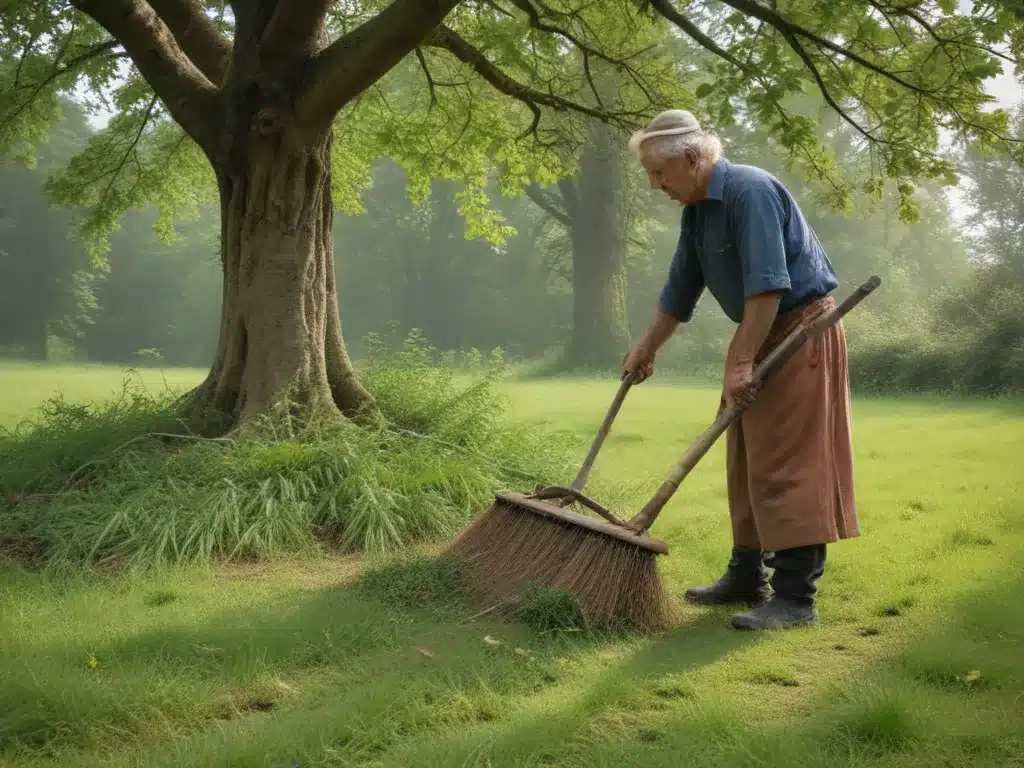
{"x": 343, "y": 660}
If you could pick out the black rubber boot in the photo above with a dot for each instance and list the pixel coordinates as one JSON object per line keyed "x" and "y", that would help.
{"x": 745, "y": 581}
{"x": 795, "y": 585}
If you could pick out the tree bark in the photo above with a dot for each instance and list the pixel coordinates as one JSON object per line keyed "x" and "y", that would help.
{"x": 262, "y": 109}
{"x": 599, "y": 335}
{"x": 280, "y": 334}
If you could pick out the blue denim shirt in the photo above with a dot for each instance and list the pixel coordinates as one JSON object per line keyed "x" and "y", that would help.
{"x": 747, "y": 236}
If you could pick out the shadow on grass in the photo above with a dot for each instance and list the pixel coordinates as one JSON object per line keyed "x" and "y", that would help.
{"x": 389, "y": 675}
{"x": 350, "y": 671}
{"x": 469, "y": 701}
{"x": 950, "y": 696}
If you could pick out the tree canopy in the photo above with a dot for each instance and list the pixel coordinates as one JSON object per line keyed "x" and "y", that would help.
{"x": 447, "y": 88}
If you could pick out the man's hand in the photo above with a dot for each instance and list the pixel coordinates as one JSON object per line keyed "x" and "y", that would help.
{"x": 739, "y": 387}
{"x": 759, "y": 313}
{"x": 639, "y": 362}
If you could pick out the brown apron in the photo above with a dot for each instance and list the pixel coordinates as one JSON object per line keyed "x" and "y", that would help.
{"x": 789, "y": 457}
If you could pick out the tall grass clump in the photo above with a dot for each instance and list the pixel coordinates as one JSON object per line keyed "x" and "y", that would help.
{"x": 122, "y": 483}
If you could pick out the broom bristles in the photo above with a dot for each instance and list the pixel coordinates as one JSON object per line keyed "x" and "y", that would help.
{"x": 614, "y": 582}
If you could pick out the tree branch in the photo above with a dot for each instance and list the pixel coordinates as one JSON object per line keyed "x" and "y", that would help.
{"x": 666, "y": 9}
{"x": 197, "y": 35}
{"x": 357, "y": 60}
{"x": 188, "y": 95}
{"x": 909, "y": 12}
{"x": 792, "y": 34}
{"x": 588, "y": 51}
{"x": 57, "y": 72}
{"x": 296, "y": 25}
{"x": 548, "y": 204}
{"x": 451, "y": 41}
{"x": 823, "y": 88}
{"x": 539, "y": 24}
{"x": 430, "y": 78}
{"x": 146, "y": 115}
{"x": 752, "y": 8}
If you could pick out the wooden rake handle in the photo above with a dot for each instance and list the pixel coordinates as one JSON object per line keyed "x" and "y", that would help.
{"x": 646, "y": 517}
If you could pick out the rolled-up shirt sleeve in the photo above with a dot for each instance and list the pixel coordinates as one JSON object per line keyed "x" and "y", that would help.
{"x": 685, "y": 281}
{"x": 758, "y": 219}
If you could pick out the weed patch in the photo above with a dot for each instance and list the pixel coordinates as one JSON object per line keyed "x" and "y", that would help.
{"x": 550, "y": 611}
{"x": 413, "y": 582}
{"x": 879, "y": 722}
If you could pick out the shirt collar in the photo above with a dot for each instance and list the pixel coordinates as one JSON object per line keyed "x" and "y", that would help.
{"x": 716, "y": 185}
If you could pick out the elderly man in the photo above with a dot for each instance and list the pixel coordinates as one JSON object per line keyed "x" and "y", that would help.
{"x": 789, "y": 459}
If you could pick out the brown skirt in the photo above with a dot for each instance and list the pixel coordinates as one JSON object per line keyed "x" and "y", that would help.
{"x": 789, "y": 457}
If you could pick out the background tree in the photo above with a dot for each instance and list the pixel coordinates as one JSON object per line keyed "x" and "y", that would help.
{"x": 157, "y": 301}
{"x": 46, "y": 277}
{"x": 239, "y": 105}
{"x": 598, "y": 209}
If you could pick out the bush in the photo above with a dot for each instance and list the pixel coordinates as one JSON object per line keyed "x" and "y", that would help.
{"x": 113, "y": 483}
{"x": 972, "y": 342}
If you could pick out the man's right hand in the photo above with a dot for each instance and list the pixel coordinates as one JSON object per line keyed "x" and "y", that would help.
{"x": 639, "y": 362}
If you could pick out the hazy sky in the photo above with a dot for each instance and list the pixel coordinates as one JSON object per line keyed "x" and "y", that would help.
{"x": 1005, "y": 88}
{"x": 1007, "y": 93}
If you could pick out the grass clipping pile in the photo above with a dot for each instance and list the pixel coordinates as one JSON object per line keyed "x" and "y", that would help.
{"x": 616, "y": 584}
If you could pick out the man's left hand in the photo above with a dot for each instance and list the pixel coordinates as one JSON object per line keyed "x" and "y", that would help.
{"x": 739, "y": 386}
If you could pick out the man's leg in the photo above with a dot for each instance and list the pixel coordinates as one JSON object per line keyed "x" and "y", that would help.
{"x": 795, "y": 583}
{"x": 745, "y": 579}
{"x": 798, "y": 445}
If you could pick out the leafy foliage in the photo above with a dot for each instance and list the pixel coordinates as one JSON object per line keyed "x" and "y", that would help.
{"x": 898, "y": 75}
{"x": 973, "y": 340}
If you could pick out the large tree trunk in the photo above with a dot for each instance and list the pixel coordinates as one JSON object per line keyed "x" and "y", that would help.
{"x": 280, "y": 331}
{"x": 262, "y": 109}
{"x": 599, "y": 333}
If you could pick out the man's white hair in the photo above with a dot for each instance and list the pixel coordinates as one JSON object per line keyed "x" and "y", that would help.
{"x": 671, "y": 133}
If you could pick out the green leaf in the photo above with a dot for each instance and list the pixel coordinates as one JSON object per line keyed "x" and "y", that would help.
{"x": 704, "y": 90}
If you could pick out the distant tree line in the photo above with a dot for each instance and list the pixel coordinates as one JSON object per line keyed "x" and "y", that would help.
{"x": 950, "y": 315}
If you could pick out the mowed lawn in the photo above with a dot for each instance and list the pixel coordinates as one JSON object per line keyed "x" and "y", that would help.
{"x": 919, "y": 660}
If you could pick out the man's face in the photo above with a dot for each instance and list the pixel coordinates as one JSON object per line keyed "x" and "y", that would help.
{"x": 678, "y": 177}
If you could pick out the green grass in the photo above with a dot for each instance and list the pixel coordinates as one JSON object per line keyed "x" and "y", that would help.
{"x": 345, "y": 661}
{"x": 23, "y": 386}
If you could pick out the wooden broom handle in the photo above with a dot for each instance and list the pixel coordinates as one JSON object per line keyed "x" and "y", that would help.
{"x": 561, "y": 496}
{"x": 602, "y": 433}
{"x": 646, "y": 517}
